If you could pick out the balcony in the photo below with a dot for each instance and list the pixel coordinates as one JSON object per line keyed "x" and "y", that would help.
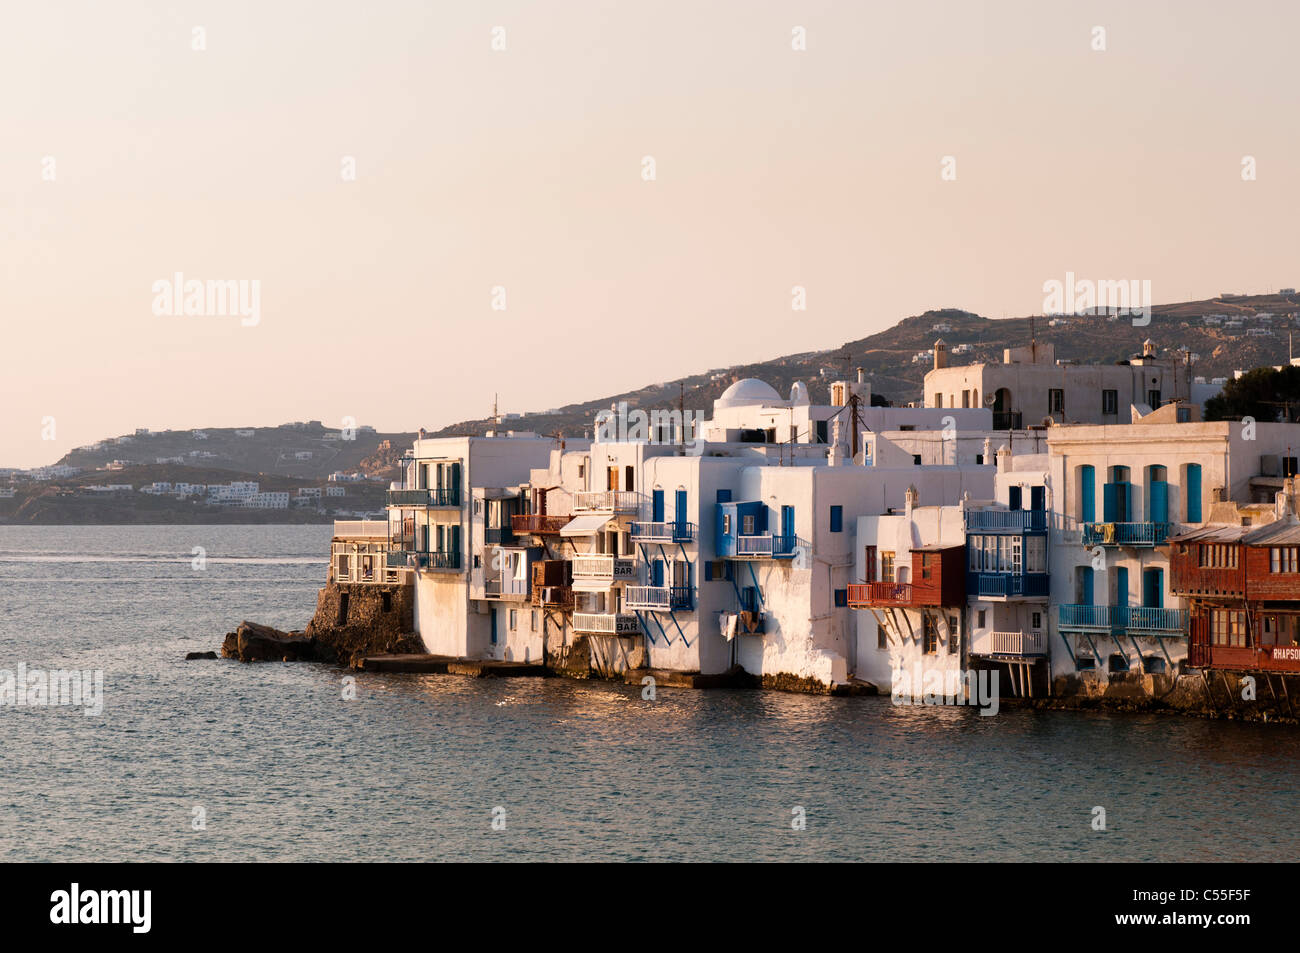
{"x": 1134, "y": 620}
{"x": 610, "y": 569}
{"x": 768, "y": 546}
{"x": 1006, "y": 521}
{"x": 553, "y": 597}
{"x": 891, "y": 594}
{"x": 606, "y": 623}
{"x": 498, "y": 536}
{"x": 665, "y": 598}
{"x": 1006, "y": 420}
{"x": 405, "y": 559}
{"x": 606, "y": 501}
{"x": 1125, "y": 534}
{"x": 992, "y": 585}
{"x": 670, "y": 532}
{"x": 1015, "y": 644}
{"x": 539, "y": 524}
{"x": 439, "y": 496}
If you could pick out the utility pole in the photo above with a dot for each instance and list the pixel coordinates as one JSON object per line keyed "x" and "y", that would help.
{"x": 681, "y": 418}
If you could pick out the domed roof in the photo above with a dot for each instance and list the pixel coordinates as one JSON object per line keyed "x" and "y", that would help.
{"x": 748, "y": 391}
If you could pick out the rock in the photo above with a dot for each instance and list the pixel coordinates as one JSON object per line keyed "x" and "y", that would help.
{"x": 197, "y": 655}
{"x": 252, "y": 642}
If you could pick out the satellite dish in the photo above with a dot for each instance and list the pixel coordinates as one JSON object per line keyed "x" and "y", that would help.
{"x": 990, "y": 400}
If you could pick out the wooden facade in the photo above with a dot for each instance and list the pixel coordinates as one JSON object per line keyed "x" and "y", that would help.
{"x": 937, "y": 578}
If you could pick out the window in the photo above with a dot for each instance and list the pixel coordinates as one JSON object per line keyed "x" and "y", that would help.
{"x": 726, "y": 524}
{"x": 747, "y": 525}
{"x": 965, "y": 398}
{"x": 930, "y": 638}
{"x": 1035, "y": 554}
{"x": 1036, "y": 621}
{"x": 1110, "y": 402}
{"x": 1056, "y": 401}
{"x": 1228, "y": 627}
{"x": 882, "y": 640}
{"x": 837, "y": 519}
{"x": 886, "y": 567}
{"x": 1218, "y": 556}
{"x": 1085, "y": 664}
{"x": 926, "y": 572}
{"x": 979, "y": 459}
{"x": 514, "y": 619}
{"x": 533, "y": 621}
{"x": 1153, "y": 399}
{"x": 980, "y": 616}
{"x": 952, "y": 635}
{"x": 916, "y": 459}
{"x": 1283, "y": 559}
{"x": 938, "y": 400}
{"x": 841, "y": 598}
{"x": 387, "y": 601}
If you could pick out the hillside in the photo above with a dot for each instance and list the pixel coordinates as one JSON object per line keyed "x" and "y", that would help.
{"x": 307, "y": 451}
{"x": 66, "y": 500}
{"x": 886, "y": 357}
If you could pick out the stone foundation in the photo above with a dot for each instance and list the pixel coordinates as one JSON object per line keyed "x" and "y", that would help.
{"x": 354, "y": 620}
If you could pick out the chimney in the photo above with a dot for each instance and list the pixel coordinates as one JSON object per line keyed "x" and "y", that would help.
{"x": 910, "y": 501}
{"x": 1284, "y": 503}
{"x": 1004, "y": 459}
{"x": 1148, "y": 348}
{"x": 940, "y": 354}
{"x": 988, "y": 450}
{"x": 861, "y": 378}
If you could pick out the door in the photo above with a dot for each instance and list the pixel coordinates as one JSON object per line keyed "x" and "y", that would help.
{"x": 680, "y": 514}
{"x": 1193, "y": 492}
{"x": 1013, "y": 498}
{"x": 869, "y": 565}
{"x": 1158, "y": 498}
{"x": 657, "y": 506}
{"x": 657, "y": 572}
{"x": 1085, "y": 586}
{"x": 787, "y": 521}
{"x": 611, "y": 478}
{"x": 1038, "y": 497}
{"x": 1121, "y": 586}
{"x": 1153, "y": 588}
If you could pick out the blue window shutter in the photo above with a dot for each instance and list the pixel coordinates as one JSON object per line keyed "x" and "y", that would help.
{"x": 841, "y": 597}
{"x": 708, "y": 571}
{"x": 1121, "y": 586}
{"x": 724, "y": 496}
{"x": 1087, "y": 587}
{"x": 1088, "y": 477}
{"x": 837, "y": 519}
{"x": 681, "y": 512}
{"x": 657, "y": 506}
{"x": 1109, "y": 507}
{"x": 1193, "y": 493}
{"x": 1159, "y": 503}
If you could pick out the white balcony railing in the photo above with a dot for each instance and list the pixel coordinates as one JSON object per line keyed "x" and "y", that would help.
{"x": 613, "y": 568}
{"x": 606, "y": 501}
{"x": 657, "y": 597}
{"x": 1014, "y": 643}
{"x": 606, "y": 623}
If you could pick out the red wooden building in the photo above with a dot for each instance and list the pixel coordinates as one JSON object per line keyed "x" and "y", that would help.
{"x": 1243, "y": 587}
{"x": 937, "y": 578}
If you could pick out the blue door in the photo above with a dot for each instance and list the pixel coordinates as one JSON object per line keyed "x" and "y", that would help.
{"x": 1086, "y": 579}
{"x": 1121, "y": 586}
{"x": 1153, "y": 588}
{"x": 681, "y": 515}
{"x": 657, "y": 572}
{"x": 1038, "y": 497}
{"x": 1193, "y": 493}
{"x": 493, "y": 615}
{"x": 1013, "y": 498}
{"x": 1088, "y": 493}
{"x": 657, "y": 506}
{"x": 1158, "y": 508}
{"x": 787, "y": 521}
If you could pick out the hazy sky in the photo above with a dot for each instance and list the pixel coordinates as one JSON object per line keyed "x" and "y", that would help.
{"x": 522, "y": 168}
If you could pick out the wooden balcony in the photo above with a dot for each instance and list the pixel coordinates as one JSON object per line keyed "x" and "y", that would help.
{"x": 902, "y": 595}
{"x": 553, "y": 597}
{"x": 539, "y": 524}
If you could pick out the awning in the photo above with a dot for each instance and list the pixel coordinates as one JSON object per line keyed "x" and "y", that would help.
{"x": 588, "y": 525}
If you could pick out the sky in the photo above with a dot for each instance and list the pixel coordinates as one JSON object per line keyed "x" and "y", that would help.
{"x": 431, "y": 221}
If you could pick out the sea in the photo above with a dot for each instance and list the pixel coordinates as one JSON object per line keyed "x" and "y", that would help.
{"x": 220, "y": 761}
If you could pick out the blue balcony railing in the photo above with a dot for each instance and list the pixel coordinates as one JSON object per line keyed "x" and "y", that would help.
{"x": 1125, "y": 534}
{"x": 992, "y": 584}
{"x": 438, "y": 496}
{"x": 405, "y": 559}
{"x": 1135, "y": 620}
{"x": 1006, "y": 521}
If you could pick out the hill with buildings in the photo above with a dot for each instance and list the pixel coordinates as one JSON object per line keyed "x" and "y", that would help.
{"x": 1220, "y": 335}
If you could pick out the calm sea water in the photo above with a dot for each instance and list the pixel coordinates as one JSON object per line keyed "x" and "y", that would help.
{"x": 412, "y": 769}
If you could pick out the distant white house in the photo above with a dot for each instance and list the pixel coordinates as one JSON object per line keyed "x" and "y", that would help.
{"x": 244, "y": 432}
{"x": 199, "y": 434}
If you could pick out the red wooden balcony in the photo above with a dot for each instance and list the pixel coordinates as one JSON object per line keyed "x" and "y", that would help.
{"x": 542, "y": 524}
{"x": 904, "y": 595}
